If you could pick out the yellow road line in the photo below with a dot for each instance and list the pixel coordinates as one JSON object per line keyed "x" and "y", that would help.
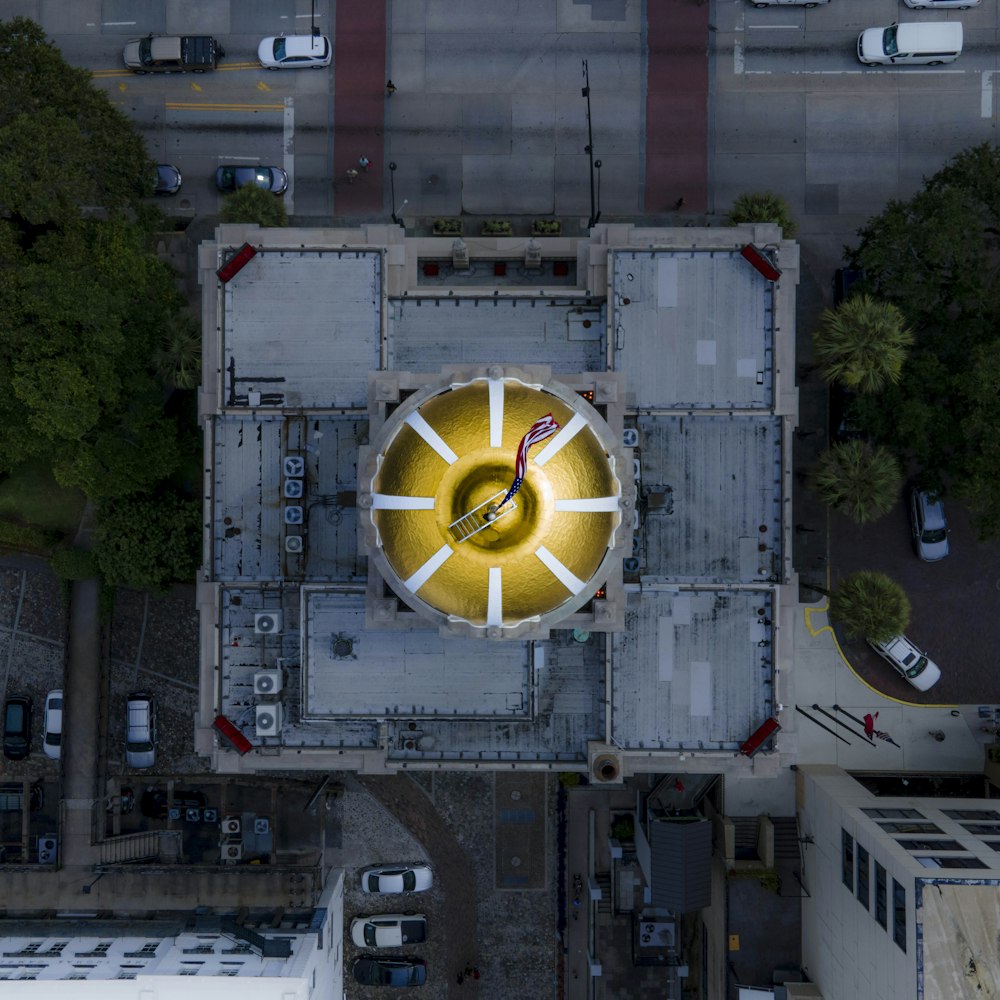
{"x": 105, "y": 73}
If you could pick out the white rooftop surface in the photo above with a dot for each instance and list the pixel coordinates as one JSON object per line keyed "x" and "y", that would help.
{"x": 695, "y": 332}
{"x": 305, "y": 325}
{"x": 722, "y": 483}
{"x": 689, "y": 672}
{"x": 411, "y": 674}
{"x": 426, "y": 334}
{"x": 249, "y": 500}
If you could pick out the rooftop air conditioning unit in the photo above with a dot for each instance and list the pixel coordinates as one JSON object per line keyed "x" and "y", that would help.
{"x": 48, "y": 850}
{"x": 294, "y": 543}
{"x": 294, "y": 466}
{"x": 630, "y": 437}
{"x": 267, "y": 682}
{"x": 294, "y": 488}
{"x": 232, "y": 852}
{"x": 269, "y": 719}
{"x": 267, "y": 622}
{"x": 231, "y": 826}
{"x": 293, "y": 514}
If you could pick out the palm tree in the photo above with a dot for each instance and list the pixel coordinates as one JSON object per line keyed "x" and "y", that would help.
{"x": 862, "y": 344}
{"x": 254, "y": 204}
{"x": 857, "y": 479}
{"x": 870, "y": 605}
{"x": 764, "y": 206}
{"x": 178, "y": 361}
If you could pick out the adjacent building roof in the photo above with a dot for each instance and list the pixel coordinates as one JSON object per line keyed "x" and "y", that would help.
{"x": 681, "y": 863}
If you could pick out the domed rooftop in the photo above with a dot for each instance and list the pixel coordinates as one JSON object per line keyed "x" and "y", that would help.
{"x": 447, "y": 540}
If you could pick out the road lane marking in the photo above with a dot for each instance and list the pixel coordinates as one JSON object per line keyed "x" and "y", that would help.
{"x": 738, "y": 63}
{"x": 210, "y": 106}
{"x": 986, "y": 101}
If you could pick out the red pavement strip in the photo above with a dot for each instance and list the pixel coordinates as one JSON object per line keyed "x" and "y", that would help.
{"x": 359, "y": 105}
{"x": 677, "y": 106}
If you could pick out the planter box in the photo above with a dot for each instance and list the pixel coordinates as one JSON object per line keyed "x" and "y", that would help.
{"x": 497, "y": 227}
{"x": 447, "y": 227}
{"x": 546, "y": 227}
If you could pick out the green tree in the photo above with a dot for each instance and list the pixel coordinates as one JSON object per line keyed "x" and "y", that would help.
{"x": 178, "y": 361}
{"x": 858, "y": 480}
{"x": 764, "y": 206}
{"x": 148, "y": 543}
{"x": 870, "y": 605}
{"x": 862, "y": 344}
{"x": 255, "y": 205}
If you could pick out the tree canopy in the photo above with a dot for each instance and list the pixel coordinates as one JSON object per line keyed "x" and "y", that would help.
{"x": 870, "y": 605}
{"x": 764, "y": 206}
{"x": 253, "y": 204}
{"x": 858, "y": 480}
{"x": 86, "y": 307}
{"x": 937, "y": 258}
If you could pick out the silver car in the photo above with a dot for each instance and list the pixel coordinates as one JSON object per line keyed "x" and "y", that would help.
{"x": 941, "y": 4}
{"x": 391, "y": 879}
{"x": 140, "y": 731}
{"x": 929, "y": 526}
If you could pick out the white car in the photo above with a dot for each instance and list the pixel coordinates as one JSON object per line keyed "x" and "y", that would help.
{"x": 295, "y": 52}
{"x": 391, "y": 879}
{"x": 53, "y": 721}
{"x": 909, "y": 662}
{"x": 389, "y": 930}
{"x": 941, "y": 4}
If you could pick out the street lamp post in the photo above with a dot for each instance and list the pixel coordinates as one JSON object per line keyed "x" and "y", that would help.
{"x": 597, "y": 214}
{"x": 392, "y": 190}
{"x": 589, "y": 149}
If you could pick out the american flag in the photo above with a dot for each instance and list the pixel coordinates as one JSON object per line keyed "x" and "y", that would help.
{"x": 542, "y": 428}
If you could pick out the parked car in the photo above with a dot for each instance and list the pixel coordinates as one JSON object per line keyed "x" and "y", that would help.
{"x": 389, "y": 930}
{"x": 925, "y": 43}
{"x": 53, "y": 722}
{"x": 295, "y": 52}
{"x": 17, "y": 727}
{"x": 390, "y": 879}
{"x": 395, "y": 971}
{"x": 231, "y": 177}
{"x": 168, "y": 179}
{"x": 172, "y": 54}
{"x": 941, "y": 4}
{"x": 908, "y": 661}
{"x": 929, "y": 525}
{"x": 140, "y": 731}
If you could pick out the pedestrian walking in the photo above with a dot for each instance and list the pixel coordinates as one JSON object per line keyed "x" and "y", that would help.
{"x": 461, "y": 979}
{"x": 679, "y": 204}
{"x": 475, "y": 973}
{"x": 351, "y": 174}
{"x": 390, "y": 88}
{"x": 364, "y": 162}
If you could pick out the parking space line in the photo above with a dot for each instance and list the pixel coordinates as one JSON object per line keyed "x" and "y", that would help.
{"x": 986, "y": 100}
{"x": 142, "y": 637}
{"x": 738, "y": 61}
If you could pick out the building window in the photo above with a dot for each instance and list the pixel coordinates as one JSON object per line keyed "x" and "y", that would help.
{"x": 229, "y": 972}
{"x": 995, "y": 844}
{"x": 971, "y": 813}
{"x": 931, "y": 845}
{"x": 985, "y": 829}
{"x": 899, "y": 914}
{"x": 864, "y": 894}
{"x": 912, "y": 828}
{"x": 950, "y": 861}
{"x": 893, "y": 813}
{"x": 847, "y": 859}
{"x": 125, "y": 975}
{"x": 880, "y": 911}
{"x": 188, "y": 972}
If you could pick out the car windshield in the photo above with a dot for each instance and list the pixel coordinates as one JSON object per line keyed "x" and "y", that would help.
{"x": 140, "y": 747}
{"x": 53, "y": 739}
{"x": 409, "y": 880}
{"x": 370, "y": 936}
{"x": 279, "y": 49}
{"x": 14, "y": 719}
{"x": 933, "y": 536}
{"x": 889, "y": 40}
{"x": 146, "y": 50}
{"x": 917, "y": 668}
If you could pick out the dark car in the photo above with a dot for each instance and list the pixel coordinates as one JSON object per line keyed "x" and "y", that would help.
{"x": 17, "y": 727}
{"x": 229, "y": 178}
{"x": 394, "y": 971}
{"x": 168, "y": 179}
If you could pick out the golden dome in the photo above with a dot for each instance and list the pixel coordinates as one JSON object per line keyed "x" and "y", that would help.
{"x": 445, "y": 460}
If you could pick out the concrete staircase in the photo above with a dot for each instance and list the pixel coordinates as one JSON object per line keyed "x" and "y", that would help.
{"x": 163, "y": 846}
